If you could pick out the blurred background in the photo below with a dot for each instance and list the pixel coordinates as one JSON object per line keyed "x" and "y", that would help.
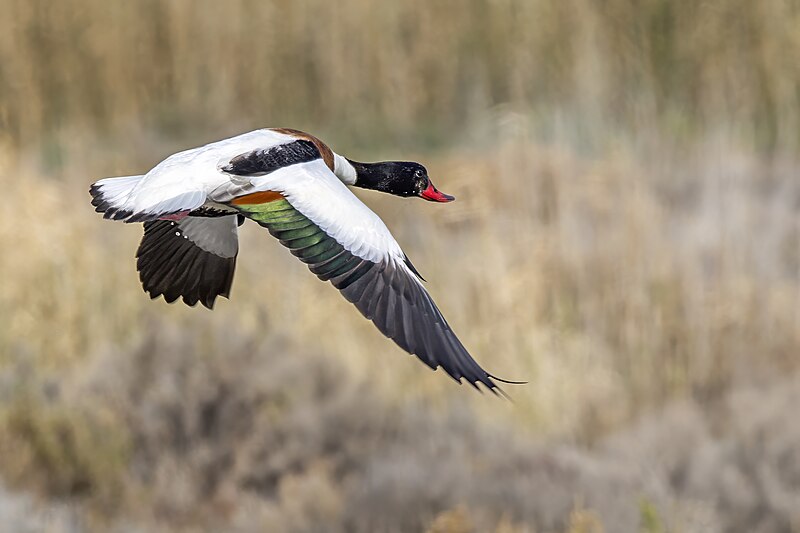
{"x": 626, "y": 238}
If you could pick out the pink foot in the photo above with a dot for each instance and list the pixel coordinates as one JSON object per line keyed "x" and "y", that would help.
{"x": 176, "y": 216}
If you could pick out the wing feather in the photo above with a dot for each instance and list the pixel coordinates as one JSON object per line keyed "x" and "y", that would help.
{"x": 194, "y": 258}
{"x": 342, "y": 241}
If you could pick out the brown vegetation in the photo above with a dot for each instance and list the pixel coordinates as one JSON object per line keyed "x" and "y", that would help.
{"x": 409, "y": 72}
{"x": 626, "y": 237}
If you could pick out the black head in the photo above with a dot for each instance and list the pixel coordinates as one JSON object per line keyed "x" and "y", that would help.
{"x": 401, "y": 178}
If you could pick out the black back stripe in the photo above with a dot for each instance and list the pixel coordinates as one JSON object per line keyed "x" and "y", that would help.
{"x": 262, "y": 162}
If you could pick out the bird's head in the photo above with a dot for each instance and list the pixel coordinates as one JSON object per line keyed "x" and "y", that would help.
{"x": 401, "y": 178}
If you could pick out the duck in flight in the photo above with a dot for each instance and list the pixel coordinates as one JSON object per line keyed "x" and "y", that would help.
{"x": 294, "y": 185}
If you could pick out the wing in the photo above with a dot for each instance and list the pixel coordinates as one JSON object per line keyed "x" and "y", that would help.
{"x": 342, "y": 241}
{"x": 193, "y": 258}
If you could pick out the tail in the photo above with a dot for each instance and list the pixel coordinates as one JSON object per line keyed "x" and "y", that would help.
{"x": 117, "y": 200}
{"x": 110, "y": 195}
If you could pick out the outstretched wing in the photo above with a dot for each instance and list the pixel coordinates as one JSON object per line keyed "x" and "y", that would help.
{"x": 193, "y": 258}
{"x": 342, "y": 241}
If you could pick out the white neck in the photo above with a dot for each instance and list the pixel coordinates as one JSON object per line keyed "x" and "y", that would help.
{"x": 343, "y": 169}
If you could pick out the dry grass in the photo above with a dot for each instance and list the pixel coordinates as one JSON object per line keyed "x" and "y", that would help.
{"x": 405, "y": 72}
{"x": 239, "y": 433}
{"x": 626, "y": 237}
{"x": 592, "y": 280}
{"x": 608, "y": 288}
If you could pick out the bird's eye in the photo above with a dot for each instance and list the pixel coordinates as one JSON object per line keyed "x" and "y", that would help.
{"x": 418, "y": 173}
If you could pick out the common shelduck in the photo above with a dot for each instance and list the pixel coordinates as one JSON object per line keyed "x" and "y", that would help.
{"x": 294, "y": 185}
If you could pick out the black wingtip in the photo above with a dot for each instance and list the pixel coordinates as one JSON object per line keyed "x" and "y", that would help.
{"x": 490, "y": 386}
{"x": 413, "y": 269}
{"x": 501, "y": 380}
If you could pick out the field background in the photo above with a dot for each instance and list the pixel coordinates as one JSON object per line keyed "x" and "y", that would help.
{"x": 626, "y": 237}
